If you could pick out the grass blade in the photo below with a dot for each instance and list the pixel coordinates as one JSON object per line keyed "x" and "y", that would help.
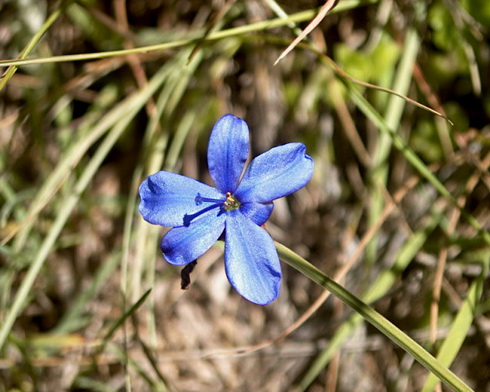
{"x": 379, "y": 288}
{"x": 374, "y": 318}
{"x": 460, "y": 326}
{"x": 67, "y": 207}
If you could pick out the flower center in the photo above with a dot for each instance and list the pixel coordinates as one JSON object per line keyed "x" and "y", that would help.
{"x": 231, "y": 203}
{"x": 228, "y": 204}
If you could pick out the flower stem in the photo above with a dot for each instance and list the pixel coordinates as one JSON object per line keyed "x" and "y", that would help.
{"x": 373, "y": 317}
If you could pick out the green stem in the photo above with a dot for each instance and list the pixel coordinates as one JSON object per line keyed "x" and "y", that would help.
{"x": 373, "y": 317}
{"x": 31, "y": 45}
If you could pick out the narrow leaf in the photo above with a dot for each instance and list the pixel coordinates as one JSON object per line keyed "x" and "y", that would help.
{"x": 374, "y": 318}
{"x": 460, "y": 327}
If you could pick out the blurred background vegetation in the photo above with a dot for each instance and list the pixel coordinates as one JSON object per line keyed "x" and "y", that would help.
{"x": 78, "y": 135}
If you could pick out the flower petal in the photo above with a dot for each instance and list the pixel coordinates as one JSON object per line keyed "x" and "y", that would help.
{"x": 251, "y": 260}
{"x": 257, "y": 212}
{"x": 276, "y": 173}
{"x": 167, "y": 197}
{"x": 228, "y": 151}
{"x": 184, "y": 244}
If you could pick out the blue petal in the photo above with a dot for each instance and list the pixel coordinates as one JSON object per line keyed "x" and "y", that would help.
{"x": 184, "y": 244}
{"x": 276, "y": 173}
{"x": 167, "y": 197}
{"x": 257, "y": 212}
{"x": 251, "y": 260}
{"x": 228, "y": 152}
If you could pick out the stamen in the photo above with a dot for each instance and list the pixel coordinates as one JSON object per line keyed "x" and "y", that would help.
{"x": 231, "y": 203}
{"x": 199, "y": 200}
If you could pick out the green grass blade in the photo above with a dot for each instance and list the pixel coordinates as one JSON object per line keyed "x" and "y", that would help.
{"x": 31, "y": 45}
{"x": 374, "y": 318}
{"x": 395, "y": 107}
{"x": 67, "y": 207}
{"x": 379, "y": 288}
{"x": 74, "y": 319}
{"x": 77, "y": 151}
{"x": 460, "y": 326}
{"x": 125, "y": 316}
{"x": 412, "y": 158}
{"x": 233, "y": 32}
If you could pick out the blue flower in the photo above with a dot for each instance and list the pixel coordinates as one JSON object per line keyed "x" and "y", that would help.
{"x": 237, "y": 206}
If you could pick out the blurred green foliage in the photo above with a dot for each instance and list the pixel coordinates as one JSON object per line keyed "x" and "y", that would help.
{"x": 478, "y": 9}
{"x": 369, "y": 66}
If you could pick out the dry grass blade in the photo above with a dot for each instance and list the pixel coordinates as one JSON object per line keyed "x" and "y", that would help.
{"x": 345, "y": 75}
{"x": 326, "y": 8}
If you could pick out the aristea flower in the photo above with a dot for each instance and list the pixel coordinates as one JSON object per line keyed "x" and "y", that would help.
{"x": 238, "y": 206}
